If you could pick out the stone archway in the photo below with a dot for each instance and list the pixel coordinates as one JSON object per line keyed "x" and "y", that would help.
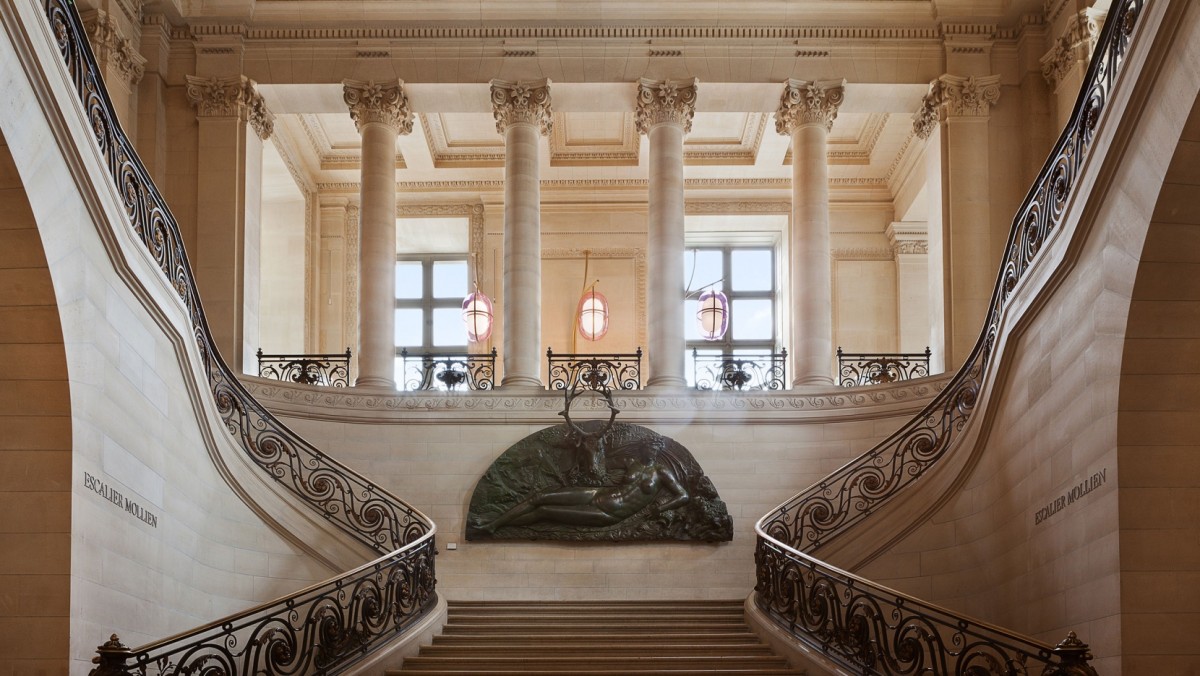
{"x": 1158, "y": 429}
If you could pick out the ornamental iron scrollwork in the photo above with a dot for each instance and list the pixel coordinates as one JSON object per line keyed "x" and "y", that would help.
{"x": 740, "y": 372}
{"x": 856, "y": 623}
{"x": 880, "y": 368}
{"x": 447, "y": 371}
{"x": 594, "y": 371}
{"x": 326, "y": 370}
{"x": 333, "y": 623}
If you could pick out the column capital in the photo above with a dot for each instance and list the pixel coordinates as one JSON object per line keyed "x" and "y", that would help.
{"x": 113, "y": 48}
{"x": 234, "y": 96}
{"x": 908, "y": 237}
{"x": 1073, "y": 47}
{"x": 381, "y": 102}
{"x": 524, "y": 102}
{"x": 804, "y": 103}
{"x": 665, "y": 102}
{"x": 955, "y": 96}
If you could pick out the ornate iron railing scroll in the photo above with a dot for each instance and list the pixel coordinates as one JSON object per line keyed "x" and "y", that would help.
{"x": 350, "y": 615}
{"x": 447, "y": 371}
{"x": 328, "y": 370}
{"x": 878, "y": 368}
{"x": 737, "y": 372}
{"x": 872, "y": 629}
{"x": 594, "y": 371}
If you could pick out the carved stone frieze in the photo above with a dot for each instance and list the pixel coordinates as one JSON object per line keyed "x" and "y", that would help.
{"x": 113, "y": 50}
{"x": 526, "y": 102}
{"x": 379, "y": 102}
{"x": 956, "y": 96}
{"x": 803, "y": 103}
{"x": 665, "y": 102}
{"x": 231, "y": 97}
{"x": 908, "y": 238}
{"x": 1073, "y": 47}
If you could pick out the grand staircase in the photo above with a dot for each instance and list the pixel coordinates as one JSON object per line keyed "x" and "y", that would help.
{"x": 596, "y": 637}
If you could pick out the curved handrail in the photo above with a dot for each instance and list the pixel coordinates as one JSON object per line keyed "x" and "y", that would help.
{"x": 327, "y": 626}
{"x": 852, "y": 620}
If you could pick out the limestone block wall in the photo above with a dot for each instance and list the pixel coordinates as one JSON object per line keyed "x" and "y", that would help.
{"x": 758, "y": 450}
{"x": 116, "y": 496}
{"x": 1080, "y": 513}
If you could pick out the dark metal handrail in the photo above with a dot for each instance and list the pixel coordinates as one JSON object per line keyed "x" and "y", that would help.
{"x": 878, "y": 368}
{"x": 326, "y": 627}
{"x": 449, "y": 370}
{"x": 329, "y": 370}
{"x": 869, "y": 628}
{"x": 740, "y": 372}
{"x": 614, "y": 371}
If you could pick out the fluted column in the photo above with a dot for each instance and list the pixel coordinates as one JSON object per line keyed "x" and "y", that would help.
{"x": 664, "y": 114}
{"x": 523, "y": 114}
{"x": 953, "y": 120}
{"x": 806, "y": 113}
{"x": 380, "y": 112}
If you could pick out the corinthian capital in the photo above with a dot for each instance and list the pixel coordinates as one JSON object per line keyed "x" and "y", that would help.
{"x": 231, "y": 97}
{"x": 665, "y": 102}
{"x": 112, "y": 49}
{"x": 382, "y": 102}
{"x": 955, "y": 96}
{"x": 525, "y": 102}
{"x": 1073, "y": 47}
{"x": 804, "y": 103}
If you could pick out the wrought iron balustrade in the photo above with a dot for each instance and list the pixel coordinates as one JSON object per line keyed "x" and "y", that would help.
{"x": 867, "y": 628}
{"x": 740, "y": 372}
{"x": 594, "y": 371}
{"x": 879, "y": 368}
{"x": 329, "y": 370}
{"x": 324, "y": 628}
{"x": 447, "y": 370}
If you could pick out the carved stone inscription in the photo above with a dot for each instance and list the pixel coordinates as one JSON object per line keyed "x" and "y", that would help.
{"x": 1076, "y": 492}
{"x": 597, "y": 481}
{"x": 122, "y": 502}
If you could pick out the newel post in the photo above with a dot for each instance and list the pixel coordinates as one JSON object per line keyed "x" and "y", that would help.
{"x": 112, "y": 659}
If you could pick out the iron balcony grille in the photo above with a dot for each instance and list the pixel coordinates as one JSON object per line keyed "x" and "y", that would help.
{"x": 328, "y": 370}
{"x": 595, "y": 371}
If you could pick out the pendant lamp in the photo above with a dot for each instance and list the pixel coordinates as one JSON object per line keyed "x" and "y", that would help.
{"x": 713, "y": 315}
{"x": 477, "y": 314}
{"x": 593, "y": 315}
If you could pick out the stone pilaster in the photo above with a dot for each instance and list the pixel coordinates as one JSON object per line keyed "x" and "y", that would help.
{"x": 665, "y": 109}
{"x": 523, "y": 115}
{"x": 228, "y": 215}
{"x": 806, "y": 114}
{"x": 953, "y": 120}
{"x": 380, "y": 113}
{"x": 910, "y": 248}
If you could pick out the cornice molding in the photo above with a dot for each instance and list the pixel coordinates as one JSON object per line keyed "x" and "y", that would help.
{"x": 373, "y": 102}
{"x": 350, "y": 405}
{"x": 806, "y": 103}
{"x": 589, "y": 32}
{"x": 669, "y": 102}
{"x": 488, "y": 185}
{"x": 235, "y": 96}
{"x": 524, "y": 102}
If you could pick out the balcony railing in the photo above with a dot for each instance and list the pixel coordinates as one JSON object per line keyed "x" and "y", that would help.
{"x": 881, "y": 368}
{"x": 448, "y": 371}
{"x": 740, "y": 372}
{"x": 329, "y": 370}
{"x": 595, "y": 371}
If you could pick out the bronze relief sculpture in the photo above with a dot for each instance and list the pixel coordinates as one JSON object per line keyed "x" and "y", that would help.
{"x": 598, "y": 481}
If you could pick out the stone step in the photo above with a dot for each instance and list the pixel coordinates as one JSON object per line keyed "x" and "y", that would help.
{"x": 614, "y": 627}
{"x": 665, "y": 619}
{"x": 597, "y": 650}
{"x": 473, "y": 671}
{"x": 576, "y": 638}
{"x": 575, "y": 664}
